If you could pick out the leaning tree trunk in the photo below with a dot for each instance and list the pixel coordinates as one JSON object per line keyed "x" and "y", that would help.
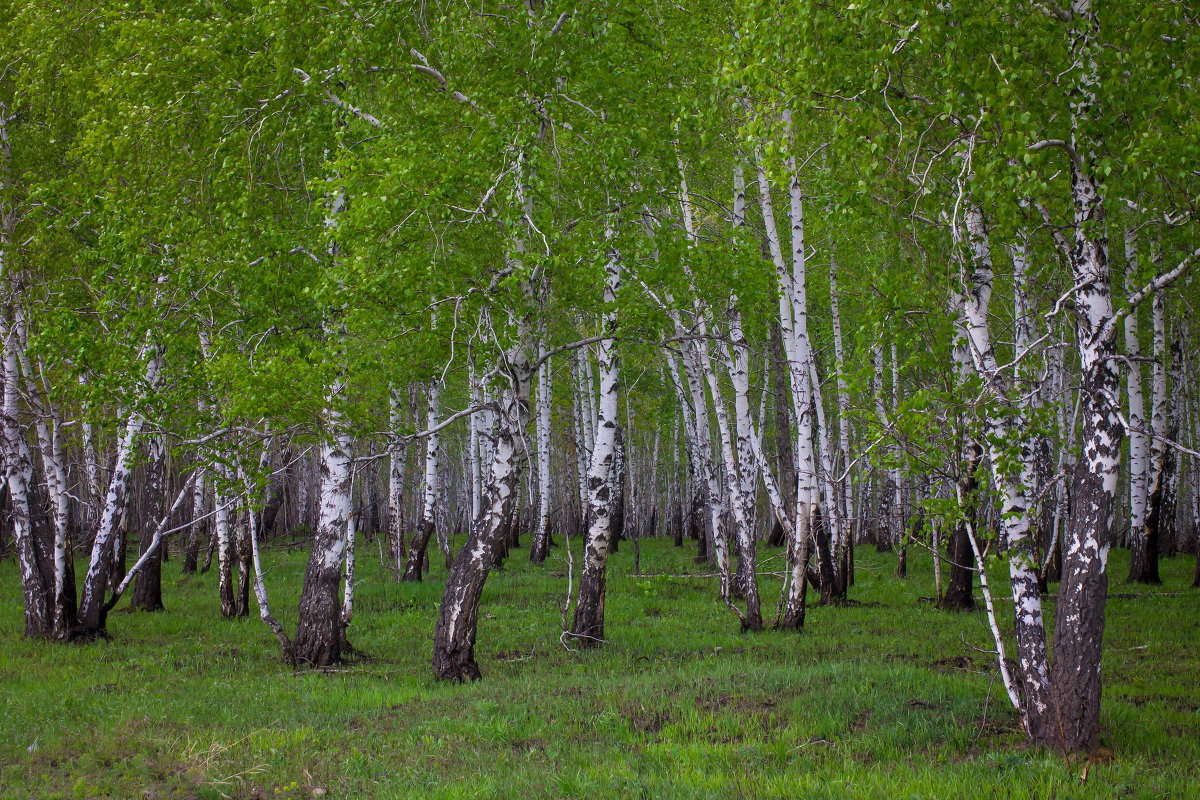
{"x": 319, "y": 635}
{"x": 793, "y": 314}
{"x": 92, "y": 611}
{"x": 454, "y": 636}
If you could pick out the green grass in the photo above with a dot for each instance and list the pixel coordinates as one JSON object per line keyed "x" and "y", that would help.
{"x": 882, "y": 699}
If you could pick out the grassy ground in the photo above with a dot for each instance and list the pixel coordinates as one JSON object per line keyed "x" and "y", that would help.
{"x": 884, "y": 699}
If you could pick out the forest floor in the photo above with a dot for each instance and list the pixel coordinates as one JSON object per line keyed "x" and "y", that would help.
{"x": 886, "y": 698}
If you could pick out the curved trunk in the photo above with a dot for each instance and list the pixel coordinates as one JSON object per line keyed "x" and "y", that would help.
{"x": 92, "y": 611}
{"x": 458, "y": 616}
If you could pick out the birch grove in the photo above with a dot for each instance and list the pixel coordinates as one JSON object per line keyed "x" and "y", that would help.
{"x": 519, "y": 279}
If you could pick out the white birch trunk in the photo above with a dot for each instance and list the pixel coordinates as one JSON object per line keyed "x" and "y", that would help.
{"x": 1139, "y": 463}
{"x": 1013, "y": 484}
{"x": 588, "y": 624}
{"x": 537, "y": 552}
{"x": 91, "y": 606}
{"x": 397, "y": 454}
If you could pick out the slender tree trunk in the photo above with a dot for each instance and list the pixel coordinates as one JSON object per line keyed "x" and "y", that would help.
{"x": 426, "y": 527}
{"x": 348, "y": 591}
{"x": 541, "y": 536}
{"x": 783, "y": 433}
{"x": 198, "y": 530}
{"x": 588, "y": 622}
{"x": 1139, "y": 463}
{"x": 1143, "y": 567}
{"x": 397, "y": 456}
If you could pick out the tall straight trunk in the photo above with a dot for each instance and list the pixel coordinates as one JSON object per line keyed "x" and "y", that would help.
{"x": 474, "y": 454}
{"x": 348, "y": 590}
{"x": 147, "y": 591}
{"x": 783, "y": 433}
{"x": 425, "y": 528}
{"x": 319, "y": 635}
{"x": 92, "y": 612}
{"x": 541, "y": 535}
{"x": 844, "y": 486}
{"x": 675, "y": 488}
{"x": 91, "y": 471}
{"x": 581, "y": 451}
{"x": 223, "y": 525}
{"x": 1143, "y": 564}
{"x": 397, "y": 456}
{"x": 1167, "y": 535}
{"x": 703, "y": 369}
{"x": 827, "y": 532}
{"x": 1139, "y": 446}
{"x": 603, "y": 472}
{"x": 896, "y": 517}
{"x": 242, "y": 553}
{"x": 747, "y": 470}
{"x": 883, "y": 538}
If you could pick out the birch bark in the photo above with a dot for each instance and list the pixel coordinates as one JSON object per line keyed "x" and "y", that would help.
{"x": 425, "y": 529}
{"x": 541, "y": 536}
{"x": 588, "y": 622}
{"x": 1139, "y": 462}
{"x": 92, "y": 613}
